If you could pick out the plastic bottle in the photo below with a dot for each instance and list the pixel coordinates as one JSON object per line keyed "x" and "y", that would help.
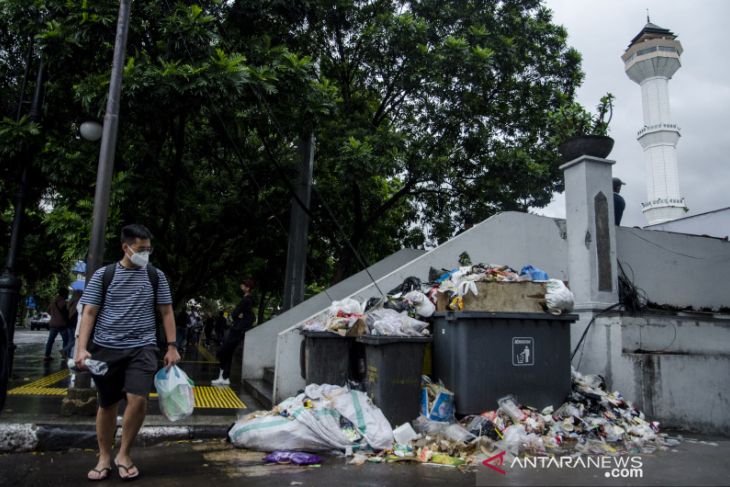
{"x": 96, "y": 367}
{"x": 509, "y": 406}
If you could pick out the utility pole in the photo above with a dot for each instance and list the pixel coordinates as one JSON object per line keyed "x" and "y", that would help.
{"x": 108, "y": 144}
{"x": 81, "y": 399}
{"x": 296, "y": 258}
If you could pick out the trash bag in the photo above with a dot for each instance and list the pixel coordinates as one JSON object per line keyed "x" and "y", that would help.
{"x": 534, "y": 273}
{"x": 357, "y": 407}
{"x": 295, "y": 457}
{"x": 558, "y": 297}
{"x": 320, "y": 419}
{"x": 389, "y": 322}
{"x": 271, "y": 433}
{"x": 424, "y": 307}
{"x": 408, "y": 285}
{"x": 175, "y": 390}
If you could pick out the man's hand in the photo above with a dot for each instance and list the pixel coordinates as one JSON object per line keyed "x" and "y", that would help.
{"x": 172, "y": 357}
{"x": 79, "y": 358}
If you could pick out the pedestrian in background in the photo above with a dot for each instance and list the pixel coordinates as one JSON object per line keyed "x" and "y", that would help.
{"x": 618, "y": 201}
{"x": 118, "y": 327}
{"x": 209, "y": 323}
{"x": 243, "y": 320}
{"x": 181, "y": 326}
{"x": 58, "y": 310}
{"x": 73, "y": 318}
{"x": 221, "y": 323}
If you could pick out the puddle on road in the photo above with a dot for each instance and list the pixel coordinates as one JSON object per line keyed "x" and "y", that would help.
{"x": 236, "y": 463}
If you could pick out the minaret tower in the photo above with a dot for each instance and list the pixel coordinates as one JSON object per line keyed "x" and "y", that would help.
{"x": 650, "y": 60}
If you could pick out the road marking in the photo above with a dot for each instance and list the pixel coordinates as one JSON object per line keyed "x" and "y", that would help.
{"x": 43, "y": 381}
{"x": 207, "y": 397}
{"x": 38, "y": 391}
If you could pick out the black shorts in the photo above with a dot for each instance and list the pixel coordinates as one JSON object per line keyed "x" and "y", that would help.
{"x": 131, "y": 370}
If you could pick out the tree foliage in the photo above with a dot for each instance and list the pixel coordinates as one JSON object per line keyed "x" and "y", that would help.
{"x": 428, "y": 116}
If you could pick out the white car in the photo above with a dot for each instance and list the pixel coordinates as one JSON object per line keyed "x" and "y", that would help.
{"x": 41, "y": 322}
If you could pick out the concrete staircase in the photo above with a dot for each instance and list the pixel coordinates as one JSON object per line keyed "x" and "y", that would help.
{"x": 262, "y": 389}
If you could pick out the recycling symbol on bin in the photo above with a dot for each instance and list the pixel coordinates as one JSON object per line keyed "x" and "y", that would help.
{"x": 523, "y": 351}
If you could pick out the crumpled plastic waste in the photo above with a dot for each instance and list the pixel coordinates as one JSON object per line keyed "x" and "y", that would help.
{"x": 389, "y": 322}
{"x": 420, "y": 302}
{"x": 592, "y": 421}
{"x": 293, "y": 457}
{"x": 340, "y": 317}
{"x": 558, "y": 298}
{"x": 534, "y": 273}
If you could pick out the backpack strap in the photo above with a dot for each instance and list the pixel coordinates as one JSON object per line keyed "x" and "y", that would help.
{"x": 154, "y": 278}
{"x": 106, "y": 280}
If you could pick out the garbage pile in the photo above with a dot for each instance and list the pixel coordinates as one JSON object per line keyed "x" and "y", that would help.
{"x": 457, "y": 283}
{"x": 591, "y": 422}
{"x": 394, "y": 317}
{"x": 328, "y": 418}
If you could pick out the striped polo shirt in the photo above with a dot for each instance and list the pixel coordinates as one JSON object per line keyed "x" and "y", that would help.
{"x": 127, "y": 319}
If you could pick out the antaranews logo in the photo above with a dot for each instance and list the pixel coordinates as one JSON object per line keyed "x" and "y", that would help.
{"x": 613, "y": 467}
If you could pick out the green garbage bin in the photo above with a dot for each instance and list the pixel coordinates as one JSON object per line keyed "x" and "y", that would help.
{"x": 482, "y": 356}
{"x": 393, "y": 368}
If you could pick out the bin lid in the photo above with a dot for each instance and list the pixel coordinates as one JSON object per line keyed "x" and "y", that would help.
{"x": 388, "y": 339}
{"x": 466, "y": 315}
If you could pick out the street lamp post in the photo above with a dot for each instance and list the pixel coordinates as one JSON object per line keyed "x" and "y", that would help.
{"x": 9, "y": 283}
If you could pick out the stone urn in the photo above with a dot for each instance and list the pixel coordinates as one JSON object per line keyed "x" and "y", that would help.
{"x": 586, "y": 145}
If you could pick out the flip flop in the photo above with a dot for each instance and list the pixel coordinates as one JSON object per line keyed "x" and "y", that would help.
{"x": 100, "y": 471}
{"x": 126, "y": 469}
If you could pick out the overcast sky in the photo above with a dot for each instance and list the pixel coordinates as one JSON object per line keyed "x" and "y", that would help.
{"x": 699, "y": 93}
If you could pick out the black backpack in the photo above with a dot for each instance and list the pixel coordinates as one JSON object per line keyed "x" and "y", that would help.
{"x": 154, "y": 278}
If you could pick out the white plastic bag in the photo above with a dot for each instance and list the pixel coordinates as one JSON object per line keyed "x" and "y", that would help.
{"x": 389, "y": 322}
{"x": 175, "y": 390}
{"x": 269, "y": 433}
{"x": 424, "y": 307}
{"x": 357, "y": 407}
{"x": 558, "y": 297}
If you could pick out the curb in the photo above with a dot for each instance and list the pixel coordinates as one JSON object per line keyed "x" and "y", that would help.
{"x": 28, "y": 437}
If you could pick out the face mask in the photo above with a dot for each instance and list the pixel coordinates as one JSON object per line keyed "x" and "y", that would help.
{"x": 139, "y": 259}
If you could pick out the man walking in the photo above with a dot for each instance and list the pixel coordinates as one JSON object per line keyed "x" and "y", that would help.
{"x": 119, "y": 307}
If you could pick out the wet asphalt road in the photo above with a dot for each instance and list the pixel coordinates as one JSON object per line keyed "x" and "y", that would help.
{"x": 218, "y": 463}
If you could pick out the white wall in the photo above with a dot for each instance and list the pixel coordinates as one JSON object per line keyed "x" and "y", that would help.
{"x": 713, "y": 224}
{"x": 676, "y": 269}
{"x": 673, "y": 368}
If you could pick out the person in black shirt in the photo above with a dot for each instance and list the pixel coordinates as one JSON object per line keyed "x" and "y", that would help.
{"x": 243, "y": 320}
{"x": 220, "y": 328}
{"x": 618, "y": 201}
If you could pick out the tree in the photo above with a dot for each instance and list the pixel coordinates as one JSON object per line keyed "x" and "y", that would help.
{"x": 428, "y": 115}
{"x": 442, "y": 110}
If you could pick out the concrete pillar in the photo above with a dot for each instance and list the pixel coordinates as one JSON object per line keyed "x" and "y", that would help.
{"x": 592, "y": 269}
{"x": 591, "y": 232}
